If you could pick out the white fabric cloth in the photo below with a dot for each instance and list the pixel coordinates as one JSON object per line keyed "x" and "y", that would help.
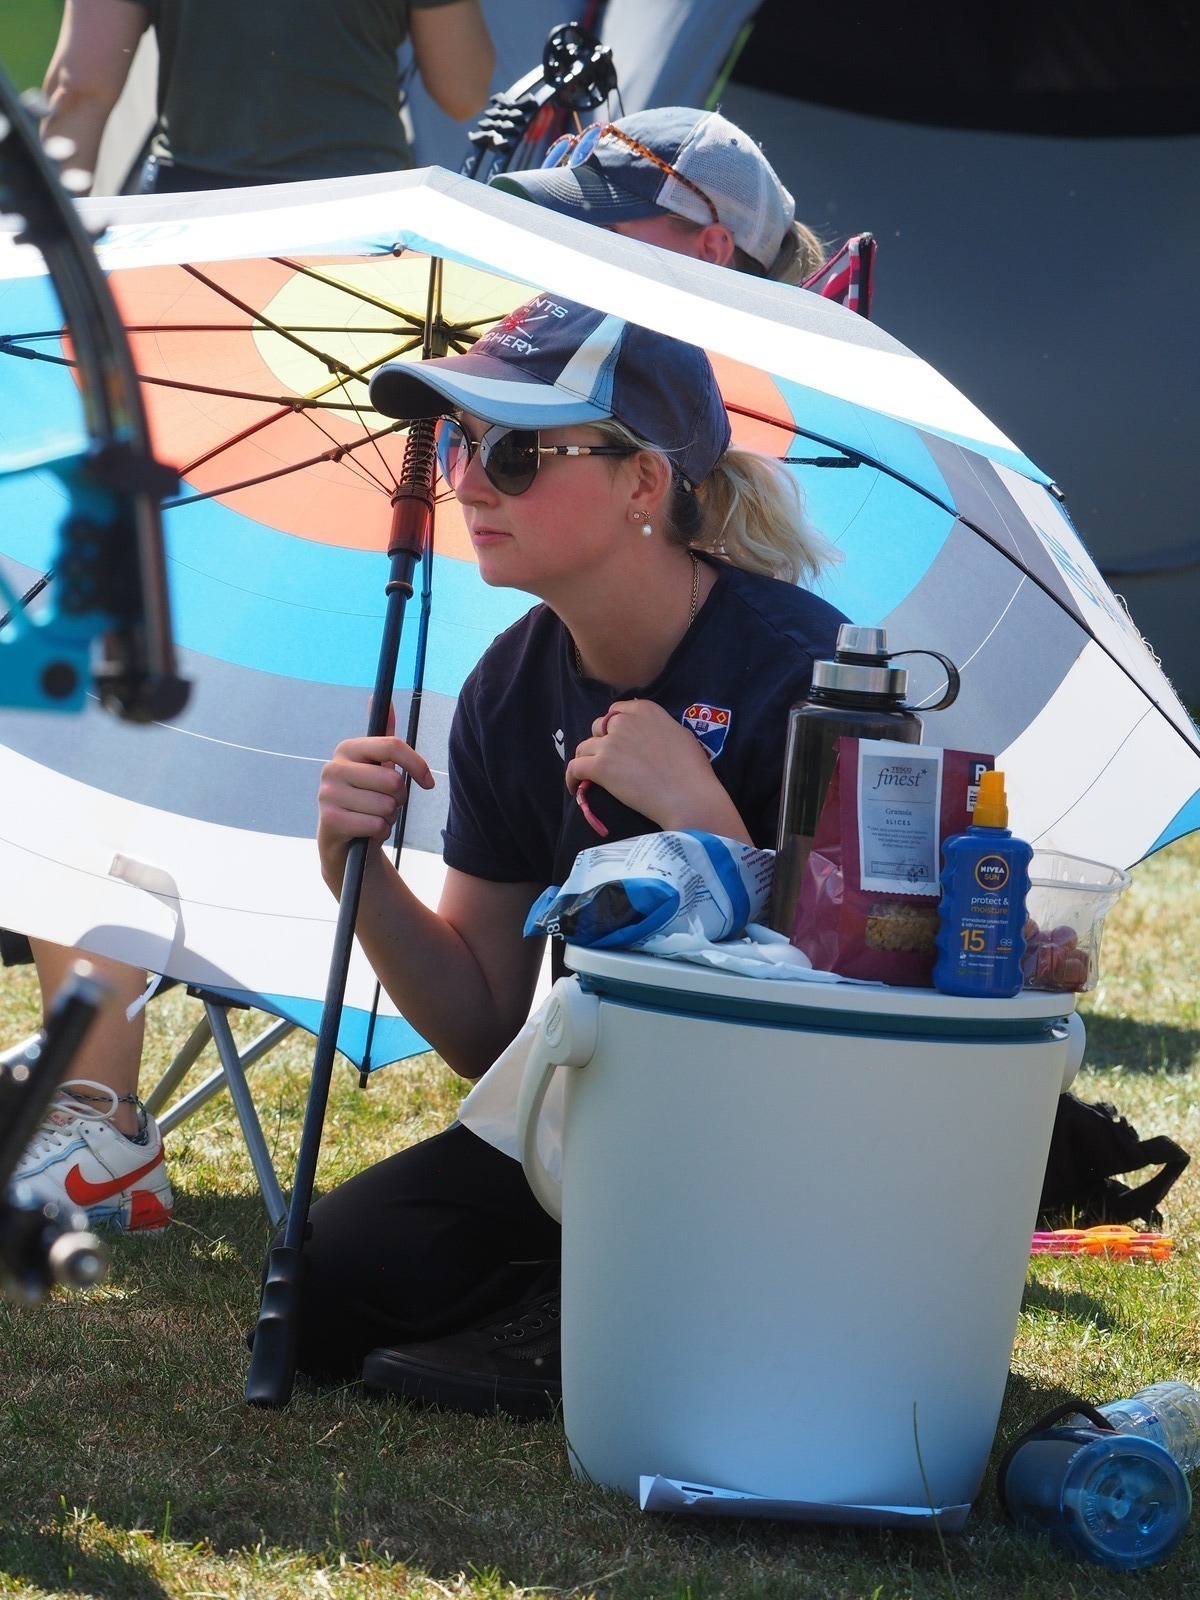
{"x": 760, "y": 953}
{"x": 490, "y": 1110}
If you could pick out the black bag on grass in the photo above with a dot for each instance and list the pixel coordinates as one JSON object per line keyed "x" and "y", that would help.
{"x": 1090, "y": 1145}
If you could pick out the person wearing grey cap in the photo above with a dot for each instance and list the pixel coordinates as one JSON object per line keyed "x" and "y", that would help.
{"x": 592, "y": 462}
{"x": 687, "y": 180}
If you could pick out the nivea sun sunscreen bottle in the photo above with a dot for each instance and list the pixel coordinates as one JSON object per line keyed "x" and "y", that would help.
{"x": 985, "y": 880}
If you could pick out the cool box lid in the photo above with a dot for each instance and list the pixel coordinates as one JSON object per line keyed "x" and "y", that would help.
{"x": 660, "y": 984}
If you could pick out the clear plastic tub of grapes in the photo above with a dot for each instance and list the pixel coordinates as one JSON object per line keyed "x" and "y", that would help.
{"x": 1069, "y": 898}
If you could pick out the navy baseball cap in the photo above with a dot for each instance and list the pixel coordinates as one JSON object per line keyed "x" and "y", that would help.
{"x": 618, "y": 182}
{"x": 553, "y": 363}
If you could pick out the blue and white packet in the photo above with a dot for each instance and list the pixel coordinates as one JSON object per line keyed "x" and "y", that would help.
{"x": 619, "y": 895}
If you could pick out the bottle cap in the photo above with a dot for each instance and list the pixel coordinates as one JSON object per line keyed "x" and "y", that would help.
{"x": 1126, "y": 1500}
{"x": 991, "y": 802}
{"x": 1113, "y": 1498}
{"x": 860, "y": 665}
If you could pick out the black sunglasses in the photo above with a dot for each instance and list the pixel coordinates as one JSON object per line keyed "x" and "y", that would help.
{"x": 510, "y": 457}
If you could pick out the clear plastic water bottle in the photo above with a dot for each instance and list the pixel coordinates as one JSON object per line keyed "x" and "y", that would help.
{"x": 1167, "y": 1413}
{"x": 1119, "y": 1499}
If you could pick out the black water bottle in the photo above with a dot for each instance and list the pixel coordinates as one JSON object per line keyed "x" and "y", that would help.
{"x": 859, "y": 694}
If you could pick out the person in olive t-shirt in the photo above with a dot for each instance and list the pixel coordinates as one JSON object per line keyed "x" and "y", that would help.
{"x": 269, "y": 92}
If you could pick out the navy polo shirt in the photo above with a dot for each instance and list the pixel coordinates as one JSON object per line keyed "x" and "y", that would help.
{"x": 744, "y": 662}
{"x": 733, "y": 677}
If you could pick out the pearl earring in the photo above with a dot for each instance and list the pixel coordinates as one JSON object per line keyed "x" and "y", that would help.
{"x": 647, "y": 530}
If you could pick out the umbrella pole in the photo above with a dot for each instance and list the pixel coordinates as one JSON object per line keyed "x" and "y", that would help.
{"x": 273, "y": 1359}
{"x": 410, "y": 738}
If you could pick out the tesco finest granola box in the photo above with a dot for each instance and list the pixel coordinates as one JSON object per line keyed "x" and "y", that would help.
{"x": 868, "y": 902}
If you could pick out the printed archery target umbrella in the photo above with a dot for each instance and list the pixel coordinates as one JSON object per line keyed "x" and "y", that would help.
{"x": 279, "y": 626}
{"x": 257, "y": 320}
{"x": 313, "y": 338}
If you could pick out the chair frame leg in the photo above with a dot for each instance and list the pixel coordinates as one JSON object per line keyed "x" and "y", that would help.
{"x": 231, "y": 1075}
{"x": 185, "y": 1059}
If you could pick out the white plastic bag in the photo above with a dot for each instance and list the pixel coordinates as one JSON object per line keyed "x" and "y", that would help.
{"x": 619, "y": 895}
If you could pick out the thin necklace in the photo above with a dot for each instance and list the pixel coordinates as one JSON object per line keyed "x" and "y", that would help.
{"x": 691, "y": 608}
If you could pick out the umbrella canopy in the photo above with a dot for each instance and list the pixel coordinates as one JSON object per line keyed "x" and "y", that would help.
{"x": 257, "y": 318}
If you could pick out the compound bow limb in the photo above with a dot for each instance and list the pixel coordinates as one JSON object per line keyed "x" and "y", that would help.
{"x": 109, "y": 617}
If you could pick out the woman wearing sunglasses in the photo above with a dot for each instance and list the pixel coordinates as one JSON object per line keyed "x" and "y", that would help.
{"x": 689, "y": 181}
{"x": 591, "y": 460}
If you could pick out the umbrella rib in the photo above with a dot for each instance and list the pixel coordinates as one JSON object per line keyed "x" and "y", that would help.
{"x": 982, "y": 533}
{"x": 352, "y": 290}
{"x": 338, "y": 454}
{"x": 240, "y": 437}
{"x": 286, "y": 403}
{"x": 392, "y": 480}
{"x": 339, "y": 379}
{"x": 304, "y": 405}
{"x": 11, "y": 344}
{"x": 332, "y": 362}
{"x": 418, "y": 332}
{"x": 240, "y": 327}
{"x": 338, "y": 369}
{"x": 387, "y": 482}
{"x": 452, "y": 331}
{"x": 301, "y": 406}
{"x": 27, "y": 599}
{"x": 866, "y": 460}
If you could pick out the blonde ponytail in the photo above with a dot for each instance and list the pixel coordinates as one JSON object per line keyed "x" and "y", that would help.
{"x": 800, "y": 255}
{"x": 749, "y": 511}
{"x": 752, "y": 515}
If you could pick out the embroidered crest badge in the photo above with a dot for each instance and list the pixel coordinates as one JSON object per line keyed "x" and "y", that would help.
{"x": 710, "y": 724}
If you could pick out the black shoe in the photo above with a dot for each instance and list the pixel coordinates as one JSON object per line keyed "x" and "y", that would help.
{"x": 512, "y": 1365}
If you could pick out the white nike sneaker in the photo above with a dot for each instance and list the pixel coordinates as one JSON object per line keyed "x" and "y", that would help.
{"x": 79, "y": 1159}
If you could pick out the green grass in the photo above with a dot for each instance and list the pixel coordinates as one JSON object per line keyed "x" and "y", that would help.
{"x": 132, "y": 1468}
{"x": 28, "y": 29}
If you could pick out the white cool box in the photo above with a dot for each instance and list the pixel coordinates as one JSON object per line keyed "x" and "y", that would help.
{"x": 796, "y": 1228}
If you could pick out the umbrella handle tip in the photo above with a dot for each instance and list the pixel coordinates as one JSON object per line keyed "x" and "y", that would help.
{"x": 273, "y": 1356}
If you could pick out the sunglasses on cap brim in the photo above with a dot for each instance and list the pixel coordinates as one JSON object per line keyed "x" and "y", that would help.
{"x": 573, "y": 149}
{"x": 510, "y": 457}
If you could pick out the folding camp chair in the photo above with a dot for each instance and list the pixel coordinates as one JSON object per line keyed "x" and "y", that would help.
{"x": 230, "y": 1074}
{"x": 848, "y": 275}
{"x": 233, "y": 1064}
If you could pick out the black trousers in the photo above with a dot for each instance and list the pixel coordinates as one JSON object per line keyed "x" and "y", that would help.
{"x": 430, "y": 1241}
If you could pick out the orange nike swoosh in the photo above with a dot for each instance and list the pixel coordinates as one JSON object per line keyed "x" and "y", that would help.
{"x": 84, "y": 1193}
